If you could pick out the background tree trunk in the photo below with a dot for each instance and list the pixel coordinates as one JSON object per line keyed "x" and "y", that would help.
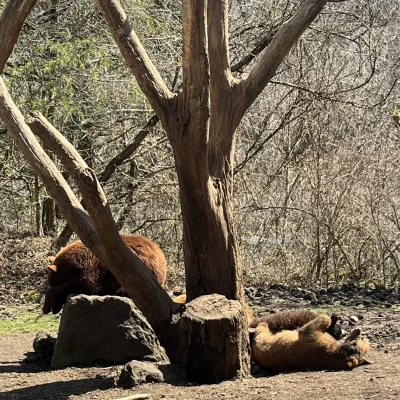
{"x": 38, "y": 209}
{"x": 49, "y": 217}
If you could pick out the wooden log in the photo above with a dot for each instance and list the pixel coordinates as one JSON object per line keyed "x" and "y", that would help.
{"x": 211, "y": 329}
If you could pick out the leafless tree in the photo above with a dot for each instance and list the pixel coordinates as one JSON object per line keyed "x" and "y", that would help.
{"x": 201, "y": 122}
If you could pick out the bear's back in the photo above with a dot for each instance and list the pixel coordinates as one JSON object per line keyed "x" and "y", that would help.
{"x": 76, "y": 262}
{"x": 149, "y": 253}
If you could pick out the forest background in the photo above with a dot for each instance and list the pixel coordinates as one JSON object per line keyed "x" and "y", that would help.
{"x": 317, "y": 163}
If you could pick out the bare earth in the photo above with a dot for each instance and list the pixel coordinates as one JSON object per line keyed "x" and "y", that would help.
{"x": 382, "y": 380}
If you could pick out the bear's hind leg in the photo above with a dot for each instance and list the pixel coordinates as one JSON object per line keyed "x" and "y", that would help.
{"x": 263, "y": 328}
{"x": 319, "y": 324}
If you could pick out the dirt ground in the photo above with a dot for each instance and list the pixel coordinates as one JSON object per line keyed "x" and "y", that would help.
{"x": 19, "y": 380}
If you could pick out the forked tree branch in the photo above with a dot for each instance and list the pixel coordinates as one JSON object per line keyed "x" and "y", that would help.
{"x": 285, "y": 38}
{"x": 11, "y": 21}
{"x": 136, "y": 57}
{"x": 157, "y": 308}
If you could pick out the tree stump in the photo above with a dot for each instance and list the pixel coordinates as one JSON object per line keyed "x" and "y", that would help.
{"x": 213, "y": 342}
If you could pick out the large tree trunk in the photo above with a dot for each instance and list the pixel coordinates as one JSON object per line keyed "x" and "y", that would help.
{"x": 211, "y": 249}
{"x": 203, "y": 144}
{"x": 209, "y": 235}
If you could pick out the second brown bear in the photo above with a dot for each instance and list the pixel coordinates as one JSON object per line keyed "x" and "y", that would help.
{"x": 76, "y": 270}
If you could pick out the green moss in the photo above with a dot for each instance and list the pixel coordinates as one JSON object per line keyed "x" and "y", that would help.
{"x": 31, "y": 296}
{"x": 15, "y": 319}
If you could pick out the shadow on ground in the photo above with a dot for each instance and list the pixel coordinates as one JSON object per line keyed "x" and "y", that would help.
{"x": 60, "y": 390}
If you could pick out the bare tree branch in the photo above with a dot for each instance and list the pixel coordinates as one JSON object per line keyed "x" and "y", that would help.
{"x": 45, "y": 168}
{"x": 318, "y": 94}
{"x": 119, "y": 255}
{"x": 261, "y": 45}
{"x": 195, "y": 62}
{"x": 136, "y": 57}
{"x": 11, "y": 21}
{"x": 255, "y": 148}
{"x": 218, "y": 47}
{"x": 128, "y": 150}
{"x": 287, "y": 35}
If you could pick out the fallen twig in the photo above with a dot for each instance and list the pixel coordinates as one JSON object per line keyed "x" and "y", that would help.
{"x": 135, "y": 397}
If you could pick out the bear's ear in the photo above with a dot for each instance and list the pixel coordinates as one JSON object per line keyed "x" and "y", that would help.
{"x": 53, "y": 267}
{"x": 51, "y": 259}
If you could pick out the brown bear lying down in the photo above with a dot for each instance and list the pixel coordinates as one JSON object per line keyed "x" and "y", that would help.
{"x": 76, "y": 270}
{"x": 308, "y": 348}
{"x": 289, "y": 320}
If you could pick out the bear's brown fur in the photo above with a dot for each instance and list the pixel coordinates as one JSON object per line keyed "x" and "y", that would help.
{"x": 289, "y": 320}
{"x": 308, "y": 348}
{"x": 76, "y": 270}
{"x": 284, "y": 320}
{"x": 181, "y": 299}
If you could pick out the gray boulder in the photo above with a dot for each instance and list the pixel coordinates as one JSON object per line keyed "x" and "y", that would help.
{"x": 310, "y": 296}
{"x": 133, "y": 374}
{"x": 44, "y": 343}
{"x": 104, "y": 330}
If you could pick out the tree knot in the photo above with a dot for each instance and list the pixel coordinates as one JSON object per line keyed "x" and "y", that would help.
{"x": 88, "y": 177}
{"x": 218, "y": 186}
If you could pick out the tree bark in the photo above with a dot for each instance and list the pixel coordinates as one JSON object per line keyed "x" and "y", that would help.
{"x": 211, "y": 249}
{"x": 11, "y": 21}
